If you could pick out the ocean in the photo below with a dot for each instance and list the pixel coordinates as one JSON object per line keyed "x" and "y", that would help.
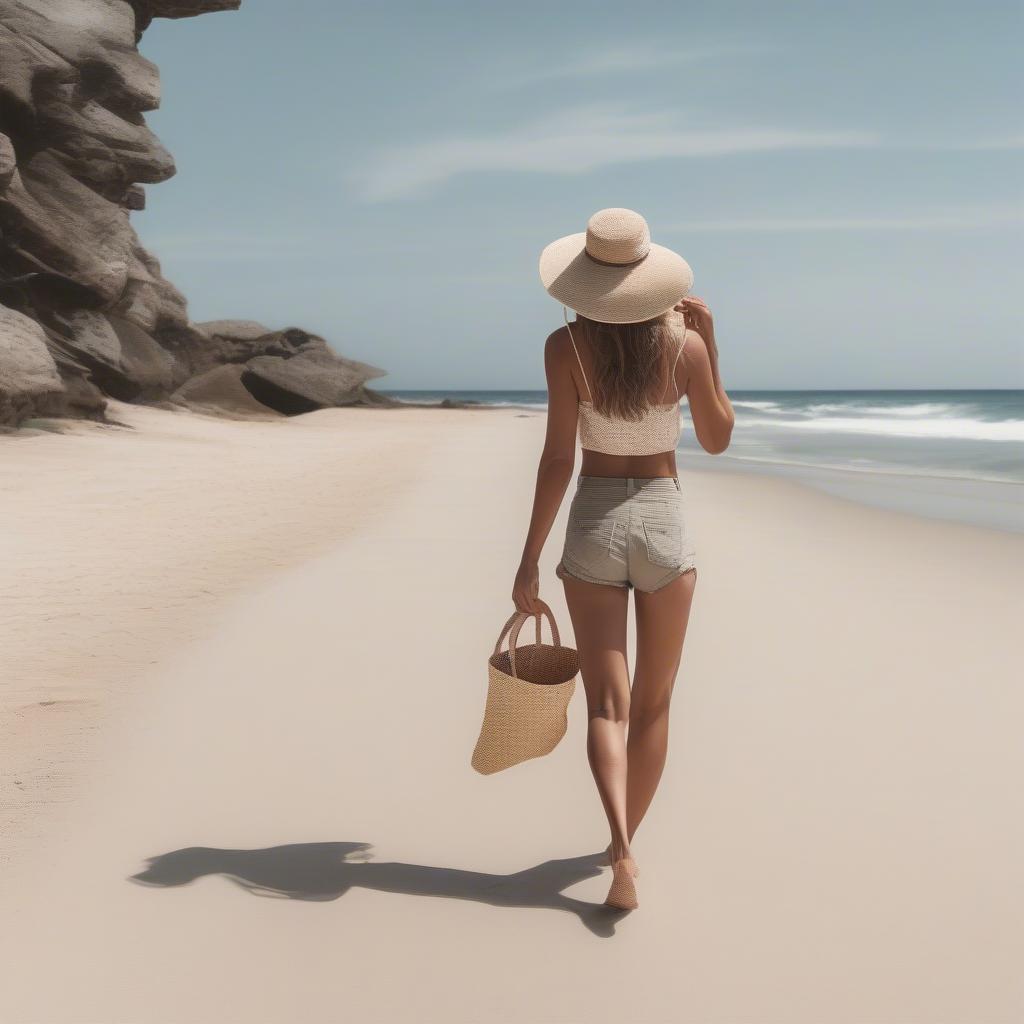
{"x": 955, "y": 455}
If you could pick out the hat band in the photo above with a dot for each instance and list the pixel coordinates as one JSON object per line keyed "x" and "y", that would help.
{"x": 625, "y": 263}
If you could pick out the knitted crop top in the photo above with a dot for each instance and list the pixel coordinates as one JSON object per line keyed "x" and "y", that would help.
{"x": 656, "y": 431}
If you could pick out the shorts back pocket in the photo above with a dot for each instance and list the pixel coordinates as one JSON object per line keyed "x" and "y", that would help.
{"x": 664, "y": 540}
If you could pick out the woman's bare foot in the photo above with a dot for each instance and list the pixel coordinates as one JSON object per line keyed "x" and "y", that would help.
{"x": 622, "y": 894}
{"x": 628, "y": 853}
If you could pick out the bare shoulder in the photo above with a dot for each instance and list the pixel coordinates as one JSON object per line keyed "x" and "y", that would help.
{"x": 556, "y": 347}
{"x": 695, "y": 346}
{"x": 696, "y": 355}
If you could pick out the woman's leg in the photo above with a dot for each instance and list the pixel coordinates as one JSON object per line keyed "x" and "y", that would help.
{"x": 598, "y": 613}
{"x": 661, "y": 619}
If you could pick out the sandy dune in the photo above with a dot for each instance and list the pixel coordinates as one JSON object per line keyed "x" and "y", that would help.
{"x": 272, "y": 637}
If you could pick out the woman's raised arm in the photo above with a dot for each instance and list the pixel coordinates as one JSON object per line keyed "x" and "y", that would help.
{"x": 710, "y": 408}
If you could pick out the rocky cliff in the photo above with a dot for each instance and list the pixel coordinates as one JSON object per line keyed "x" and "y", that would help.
{"x": 85, "y": 312}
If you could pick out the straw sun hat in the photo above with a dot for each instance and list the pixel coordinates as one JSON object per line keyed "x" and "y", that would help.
{"x": 613, "y": 272}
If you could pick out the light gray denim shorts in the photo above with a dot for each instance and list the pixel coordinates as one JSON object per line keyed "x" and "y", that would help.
{"x": 627, "y": 532}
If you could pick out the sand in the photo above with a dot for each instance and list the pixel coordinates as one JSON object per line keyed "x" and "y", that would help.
{"x": 251, "y": 798}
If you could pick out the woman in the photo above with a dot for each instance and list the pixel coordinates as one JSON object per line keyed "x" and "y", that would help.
{"x": 617, "y": 375}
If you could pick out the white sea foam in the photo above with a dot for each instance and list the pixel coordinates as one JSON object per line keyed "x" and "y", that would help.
{"x": 914, "y": 409}
{"x": 760, "y": 406}
{"x": 958, "y": 428}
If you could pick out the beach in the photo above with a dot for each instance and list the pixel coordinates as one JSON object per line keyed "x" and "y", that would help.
{"x": 243, "y": 670}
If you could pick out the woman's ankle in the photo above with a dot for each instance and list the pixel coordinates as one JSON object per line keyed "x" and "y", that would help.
{"x": 619, "y": 850}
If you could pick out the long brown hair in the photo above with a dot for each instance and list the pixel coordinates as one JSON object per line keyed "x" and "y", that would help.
{"x": 626, "y": 359}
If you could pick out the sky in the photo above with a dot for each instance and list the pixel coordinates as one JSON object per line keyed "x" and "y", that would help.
{"x": 844, "y": 179}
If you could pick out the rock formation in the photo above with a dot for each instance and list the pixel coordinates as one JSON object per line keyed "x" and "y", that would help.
{"x": 85, "y": 313}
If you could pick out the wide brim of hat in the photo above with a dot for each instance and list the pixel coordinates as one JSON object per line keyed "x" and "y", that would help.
{"x": 614, "y": 295}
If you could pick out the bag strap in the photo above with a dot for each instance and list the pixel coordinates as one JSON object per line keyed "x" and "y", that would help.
{"x": 516, "y": 622}
{"x": 515, "y": 617}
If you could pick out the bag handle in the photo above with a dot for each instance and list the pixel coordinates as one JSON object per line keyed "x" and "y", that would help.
{"x": 516, "y": 622}
{"x": 512, "y": 619}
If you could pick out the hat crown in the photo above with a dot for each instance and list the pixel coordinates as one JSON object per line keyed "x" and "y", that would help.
{"x": 618, "y": 236}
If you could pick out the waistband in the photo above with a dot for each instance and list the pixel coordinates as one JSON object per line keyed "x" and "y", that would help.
{"x": 627, "y": 485}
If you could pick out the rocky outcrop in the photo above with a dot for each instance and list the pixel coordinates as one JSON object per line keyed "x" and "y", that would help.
{"x": 289, "y": 371}
{"x": 85, "y": 312}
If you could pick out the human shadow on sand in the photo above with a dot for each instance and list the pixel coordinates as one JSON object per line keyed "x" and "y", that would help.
{"x": 324, "y": 871}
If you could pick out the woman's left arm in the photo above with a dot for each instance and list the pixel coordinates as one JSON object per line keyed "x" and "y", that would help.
{"x": 555, "y": 469}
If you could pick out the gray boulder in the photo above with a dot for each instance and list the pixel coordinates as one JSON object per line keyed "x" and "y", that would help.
{"x": 60, "y": 224}
{"x": 237, "y": 341}
{"x": 146, "y": 370}
{"x": 313, "y": 379}
{"x": 233, "y": 330}
{"x": 8, "y": 162}
{"x": 28, "y": 373}
{"x": 119, "y": 356}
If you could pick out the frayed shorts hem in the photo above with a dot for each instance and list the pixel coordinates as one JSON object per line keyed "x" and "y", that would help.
{"x": 562, "y": 572}
{"x": 672, "y": 574}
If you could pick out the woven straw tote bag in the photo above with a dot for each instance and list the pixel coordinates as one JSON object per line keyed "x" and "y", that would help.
{"x": 528, "y": 694}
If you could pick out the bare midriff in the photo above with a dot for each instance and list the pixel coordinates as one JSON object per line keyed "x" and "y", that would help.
{"x": 639, "y": 467}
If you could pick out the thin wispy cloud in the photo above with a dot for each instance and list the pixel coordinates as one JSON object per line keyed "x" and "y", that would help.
{"x": 574, "y": 141}
{"x": 956, "y": 143}
{"x": 958, "y": 218}
{"x": 632, "y": 59}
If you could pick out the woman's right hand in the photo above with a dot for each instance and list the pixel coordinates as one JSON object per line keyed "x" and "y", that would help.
{"x": 698, "y": 317}
{"x": 526, "y": 589}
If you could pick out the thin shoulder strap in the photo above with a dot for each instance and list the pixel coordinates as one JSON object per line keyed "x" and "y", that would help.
{"x": 565, "y": 314}
{"x": 676, "y": 363}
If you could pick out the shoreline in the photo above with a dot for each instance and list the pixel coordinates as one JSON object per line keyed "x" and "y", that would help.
{"x": 931, "y": 491}
{"x": 987, "y": 504}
